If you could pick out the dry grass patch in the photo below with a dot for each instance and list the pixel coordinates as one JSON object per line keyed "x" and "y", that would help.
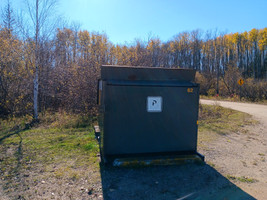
{"x": 216, "y": 120}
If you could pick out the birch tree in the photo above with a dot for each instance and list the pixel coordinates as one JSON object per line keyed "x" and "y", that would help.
{"x": 41, "y": 23}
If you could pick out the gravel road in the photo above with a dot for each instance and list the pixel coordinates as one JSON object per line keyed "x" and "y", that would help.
{"x": 243, "y": 153}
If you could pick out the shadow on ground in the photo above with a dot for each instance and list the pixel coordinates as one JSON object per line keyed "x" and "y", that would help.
{"x": 16, "y": 130}
{"x": 11, "y": 165}
{"x": 189, "y": 181}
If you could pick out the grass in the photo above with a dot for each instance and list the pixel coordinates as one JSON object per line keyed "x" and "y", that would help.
{"x": 61, "y": 146}
{"x": 216, "y": 120}
{"x": 210, "y": 164}
{"x": 61, "y": 136}
{"x": 241, "y": 179}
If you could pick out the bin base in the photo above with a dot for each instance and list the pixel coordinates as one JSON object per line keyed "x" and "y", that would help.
{"x": 150, "y": 159}
{"x": 158, "y": 160}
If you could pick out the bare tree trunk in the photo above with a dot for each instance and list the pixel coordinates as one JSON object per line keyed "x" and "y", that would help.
{"x": 40, "y": 15}
{"x": 35, "y": 93}
{"x": 36, "y": 78}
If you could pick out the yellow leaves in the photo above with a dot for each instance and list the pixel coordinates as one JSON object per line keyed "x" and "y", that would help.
{"x": 172, "y": 47}
{"x": 19, "y": 99}
{"x": 263, "y": 39}
{"x": 236, "y": 38}
{"x": 253, "y": 35}
{"x": 230, "y": 40}
{"x": 84, "y": 38}
{"x": 153, "y": 44}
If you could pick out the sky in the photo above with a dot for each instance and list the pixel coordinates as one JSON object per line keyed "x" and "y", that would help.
{"x": 126, "y": 20}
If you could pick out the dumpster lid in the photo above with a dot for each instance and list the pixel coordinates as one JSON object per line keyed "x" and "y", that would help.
{"x": 116, "y": 72}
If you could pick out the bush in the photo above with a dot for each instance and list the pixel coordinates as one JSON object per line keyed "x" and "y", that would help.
{"x": 254, "y": 90}
{"x": 211, "y": 92}
{"x": 206, "y": 82}
{"x": 230, "y": 78}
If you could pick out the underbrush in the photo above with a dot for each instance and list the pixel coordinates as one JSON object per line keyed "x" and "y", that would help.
{"x": 13, "y": 123}
{"x": 252, "y": 90}
{"x": 63, "y": 119}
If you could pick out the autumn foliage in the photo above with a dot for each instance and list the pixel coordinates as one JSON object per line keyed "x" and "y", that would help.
{"x": 70, "y": 65}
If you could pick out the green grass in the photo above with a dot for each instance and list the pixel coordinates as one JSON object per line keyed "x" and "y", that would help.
{"x": 61, "y": 136}
{"x": 216, "y": 120}
{"x": 61, "y": 142}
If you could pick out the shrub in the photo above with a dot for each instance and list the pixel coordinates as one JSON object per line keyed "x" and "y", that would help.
{"x": 254, "y": 90}
{"x": 211, "y": 92}
{"x": 206, "y": 82}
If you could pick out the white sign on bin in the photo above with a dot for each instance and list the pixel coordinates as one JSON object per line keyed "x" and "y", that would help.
{"x": 154, "y": 104}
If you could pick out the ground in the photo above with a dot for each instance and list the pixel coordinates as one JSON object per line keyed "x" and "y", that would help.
{"x": 243, "y": 153}
{"x": 62, "y": 162}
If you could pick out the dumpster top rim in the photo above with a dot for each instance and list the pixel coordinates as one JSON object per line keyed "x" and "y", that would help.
{"x": 146, "y": 67}
{"x": 119, "y": 72}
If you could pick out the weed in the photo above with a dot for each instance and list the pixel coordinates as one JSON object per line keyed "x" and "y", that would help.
{"x": 210, "y": 164}
{"x": 242, "y": 179}
{"x": 244, "y": 163}
{"x": 255, "y": 163}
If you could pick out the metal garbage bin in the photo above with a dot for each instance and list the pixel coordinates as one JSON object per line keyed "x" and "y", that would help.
{"x": 147, "y": 111}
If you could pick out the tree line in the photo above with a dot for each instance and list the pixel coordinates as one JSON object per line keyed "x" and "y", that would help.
{"x": 67, "y": 65}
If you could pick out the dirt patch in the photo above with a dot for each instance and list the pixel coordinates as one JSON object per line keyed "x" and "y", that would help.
{"x": 242, "y": 154}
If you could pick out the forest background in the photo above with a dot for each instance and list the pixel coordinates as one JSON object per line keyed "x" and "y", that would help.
{"x": 59, "y": 67}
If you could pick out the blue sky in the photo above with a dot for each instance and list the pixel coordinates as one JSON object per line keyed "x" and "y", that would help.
{"x": 125, "y": 20}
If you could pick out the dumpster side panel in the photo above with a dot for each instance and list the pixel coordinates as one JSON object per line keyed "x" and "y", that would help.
{"x": 130, "y": 129}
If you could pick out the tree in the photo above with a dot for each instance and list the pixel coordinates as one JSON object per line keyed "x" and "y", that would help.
{"x": 153, "y": 49}
{"x": 196, "y": 49}
{"x": 9, "y": 62}
{"x": 8, "y": 18}
{"x": 263, "y": 46}
{"x": 253, "y": 37}
{"x": 39, "y": 13}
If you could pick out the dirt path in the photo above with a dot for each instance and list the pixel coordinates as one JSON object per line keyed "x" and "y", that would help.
{"x": 257, "y": 110}
{"x": 244, "y": 153}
